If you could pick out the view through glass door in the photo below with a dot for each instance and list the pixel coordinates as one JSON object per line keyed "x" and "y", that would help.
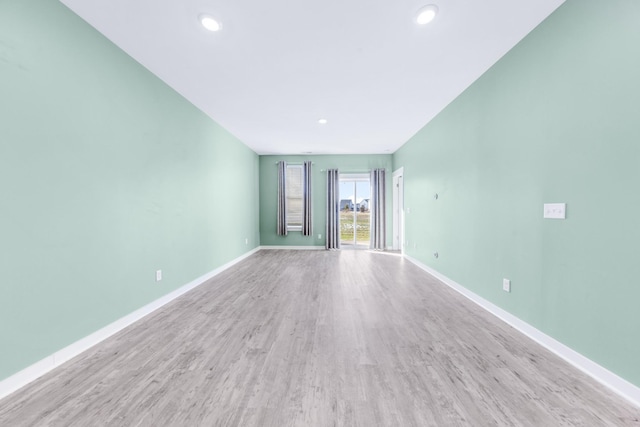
{"x": 355, "y": 216}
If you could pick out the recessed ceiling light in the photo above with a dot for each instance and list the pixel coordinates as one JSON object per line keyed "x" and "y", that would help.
{"x": 426, "y": 14}
{"x": 323, "y": 121}
{"x": 209, "y": 22}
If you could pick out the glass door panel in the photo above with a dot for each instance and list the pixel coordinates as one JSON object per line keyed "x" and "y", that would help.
{"x": 355, "y": 216}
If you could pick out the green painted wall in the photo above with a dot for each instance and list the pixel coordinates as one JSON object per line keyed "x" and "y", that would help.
{"x": 556, "y": 120}
{"x": 106, "y": 175}
{"x": 344, "y": 163}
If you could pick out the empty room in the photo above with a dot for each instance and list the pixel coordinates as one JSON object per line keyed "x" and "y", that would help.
{"x": 408, "y": 213}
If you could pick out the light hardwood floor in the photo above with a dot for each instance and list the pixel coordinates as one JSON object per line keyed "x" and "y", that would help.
{"x": 315, "y": 338}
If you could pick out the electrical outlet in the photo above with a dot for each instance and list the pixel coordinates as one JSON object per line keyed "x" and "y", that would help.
{"x": 319, "y": 236}
{"x": 158, "y": 275}
{"x": 506, "y": 285}
{"x": 246, "y": 241}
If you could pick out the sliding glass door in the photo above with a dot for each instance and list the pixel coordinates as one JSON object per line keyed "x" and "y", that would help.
{"x": 355, "y": 216}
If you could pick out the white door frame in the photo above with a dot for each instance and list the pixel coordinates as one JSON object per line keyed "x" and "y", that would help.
{"x": 398, "y": 210}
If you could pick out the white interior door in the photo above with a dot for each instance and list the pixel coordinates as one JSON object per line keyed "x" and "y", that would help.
{"x": 398, "y": 210}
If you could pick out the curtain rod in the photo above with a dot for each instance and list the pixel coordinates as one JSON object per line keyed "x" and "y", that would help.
{"x": 341, "y": 172}
{"x": 351, "y": 172}
{"x": 294, "y": 163}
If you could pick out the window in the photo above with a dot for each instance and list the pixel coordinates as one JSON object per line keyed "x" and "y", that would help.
{"x": 294, "y": 199}
{"x": 294, "y": 192}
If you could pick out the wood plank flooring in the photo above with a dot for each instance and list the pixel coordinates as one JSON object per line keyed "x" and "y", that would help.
{"x": 317, "y": 338}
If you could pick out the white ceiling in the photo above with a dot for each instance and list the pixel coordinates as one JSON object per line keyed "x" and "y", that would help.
{"x": 278, "y": 66}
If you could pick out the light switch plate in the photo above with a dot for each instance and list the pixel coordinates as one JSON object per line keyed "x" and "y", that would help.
{"x": 555, "y": 210}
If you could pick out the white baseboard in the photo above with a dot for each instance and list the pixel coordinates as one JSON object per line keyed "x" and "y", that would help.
{"x": 607, "y": 378}
{"x": 295, "y": 248}
{"x": 25, "y": 376}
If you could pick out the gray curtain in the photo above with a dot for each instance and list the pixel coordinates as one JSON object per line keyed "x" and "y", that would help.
{"x": 307, "y": 224}
{"x": 333, "y": 210}
{"x": 282, "y": 199}
{"x": 378, "y": 218}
